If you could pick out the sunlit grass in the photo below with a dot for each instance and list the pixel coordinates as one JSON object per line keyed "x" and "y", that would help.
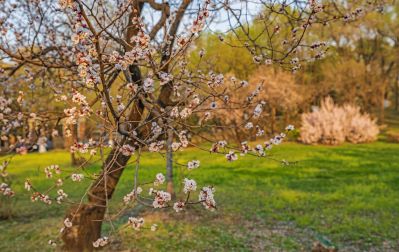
{"x": 348, "y": 194}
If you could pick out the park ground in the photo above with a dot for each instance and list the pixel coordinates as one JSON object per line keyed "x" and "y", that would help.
{"x": 346, "y": 196}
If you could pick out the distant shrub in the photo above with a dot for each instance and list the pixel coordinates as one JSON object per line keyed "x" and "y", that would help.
{"x": 332, "y": 124}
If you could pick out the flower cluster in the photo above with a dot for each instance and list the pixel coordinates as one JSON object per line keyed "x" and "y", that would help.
{"x": 141, "y": 48}
{"x": 259, "y": 109}
{"x": 316, "y": 6}
{"x": 156, "y": 146}
{"x": 136, "y": 223}
{"x": 6, "y": 190}
{"x": 245, "y": 148}
{"x": 215, "y": 80}
{"x": 61, "y": 196}
{"x": 127, "y": 150}
{"x": 179, "y": 206}
{"x": 189, "y": 185}
{"x": 49, "y": 170}
{"x": 161, "y": 199}
{"x": 199, "y": 23}
{"x": 42, "y": 197}
{"x": 165, "y": 78}
{"x": 132, "y": 195}
{"x": 193, "y": 164}
{"x": 79, "y": 147}
{"x": 197, "y": 26}
{"x": 231, "y": 156}
{"x": 259, "y": 150}
{"x": 67, "y": 224}
{"x": 59, "y": 182}
{"x": 358, "y": 12}
{"x": 221, "y": 144}
{"x": 77, "y": 177}
{"x": 148, "y": 85}
{"x": 206, "y": 196}
{"x": 85, "y": 50}
{"x": 101, "y": 242}
{"x": 159, "y": 179}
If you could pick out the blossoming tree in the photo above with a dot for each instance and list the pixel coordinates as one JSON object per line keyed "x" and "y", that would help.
{"x": 123, "y": 64}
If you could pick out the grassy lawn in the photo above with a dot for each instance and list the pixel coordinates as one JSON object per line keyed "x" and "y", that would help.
{"x": 347, "y": 194}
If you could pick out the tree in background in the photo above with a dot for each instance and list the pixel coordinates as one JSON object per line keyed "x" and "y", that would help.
{"x": 221, "y": 57}
{"x": 360, "y": 65}
{"x": 275, "y": 87}
{"x": 281, "y": 93}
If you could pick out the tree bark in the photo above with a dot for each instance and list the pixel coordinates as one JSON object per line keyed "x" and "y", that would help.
{"x": 397, "y": 94}
{"x": 273, "y": 120}
{"x": 382, "y": 105}
{"x": 169, "y": 164}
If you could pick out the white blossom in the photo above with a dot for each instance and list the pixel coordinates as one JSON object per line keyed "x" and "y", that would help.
{"x": 193, "y": 164}
{"x": 136, "y": 223}
{"x": 77, "y": 177}
{"x": 148, "y": 85}
{"x": 189, "y": 185}
{"x": 101, "y": 242}
{"x": 161, "y": 199}
{"x": 178, "y": 206}
{"x": 159, "y": 179}
{"x": 127, "y": 150}
{"x": 231, "y": 156}
{"x": 206, "y": 196}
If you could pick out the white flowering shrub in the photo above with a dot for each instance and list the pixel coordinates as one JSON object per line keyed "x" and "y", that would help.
{"x": 332, "y": 124}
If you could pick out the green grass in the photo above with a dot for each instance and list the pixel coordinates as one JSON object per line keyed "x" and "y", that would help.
{"x": 346, "y": 194}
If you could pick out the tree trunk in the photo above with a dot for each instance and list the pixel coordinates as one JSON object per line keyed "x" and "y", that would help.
{"x": 273, "y": 120}
{"x": 382, "y": 106}
{"x": 397, "y": 94}
{"x": 286, "y": 118}
{"x": 87, "y": 218}
{"x": 169, "y": 165}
